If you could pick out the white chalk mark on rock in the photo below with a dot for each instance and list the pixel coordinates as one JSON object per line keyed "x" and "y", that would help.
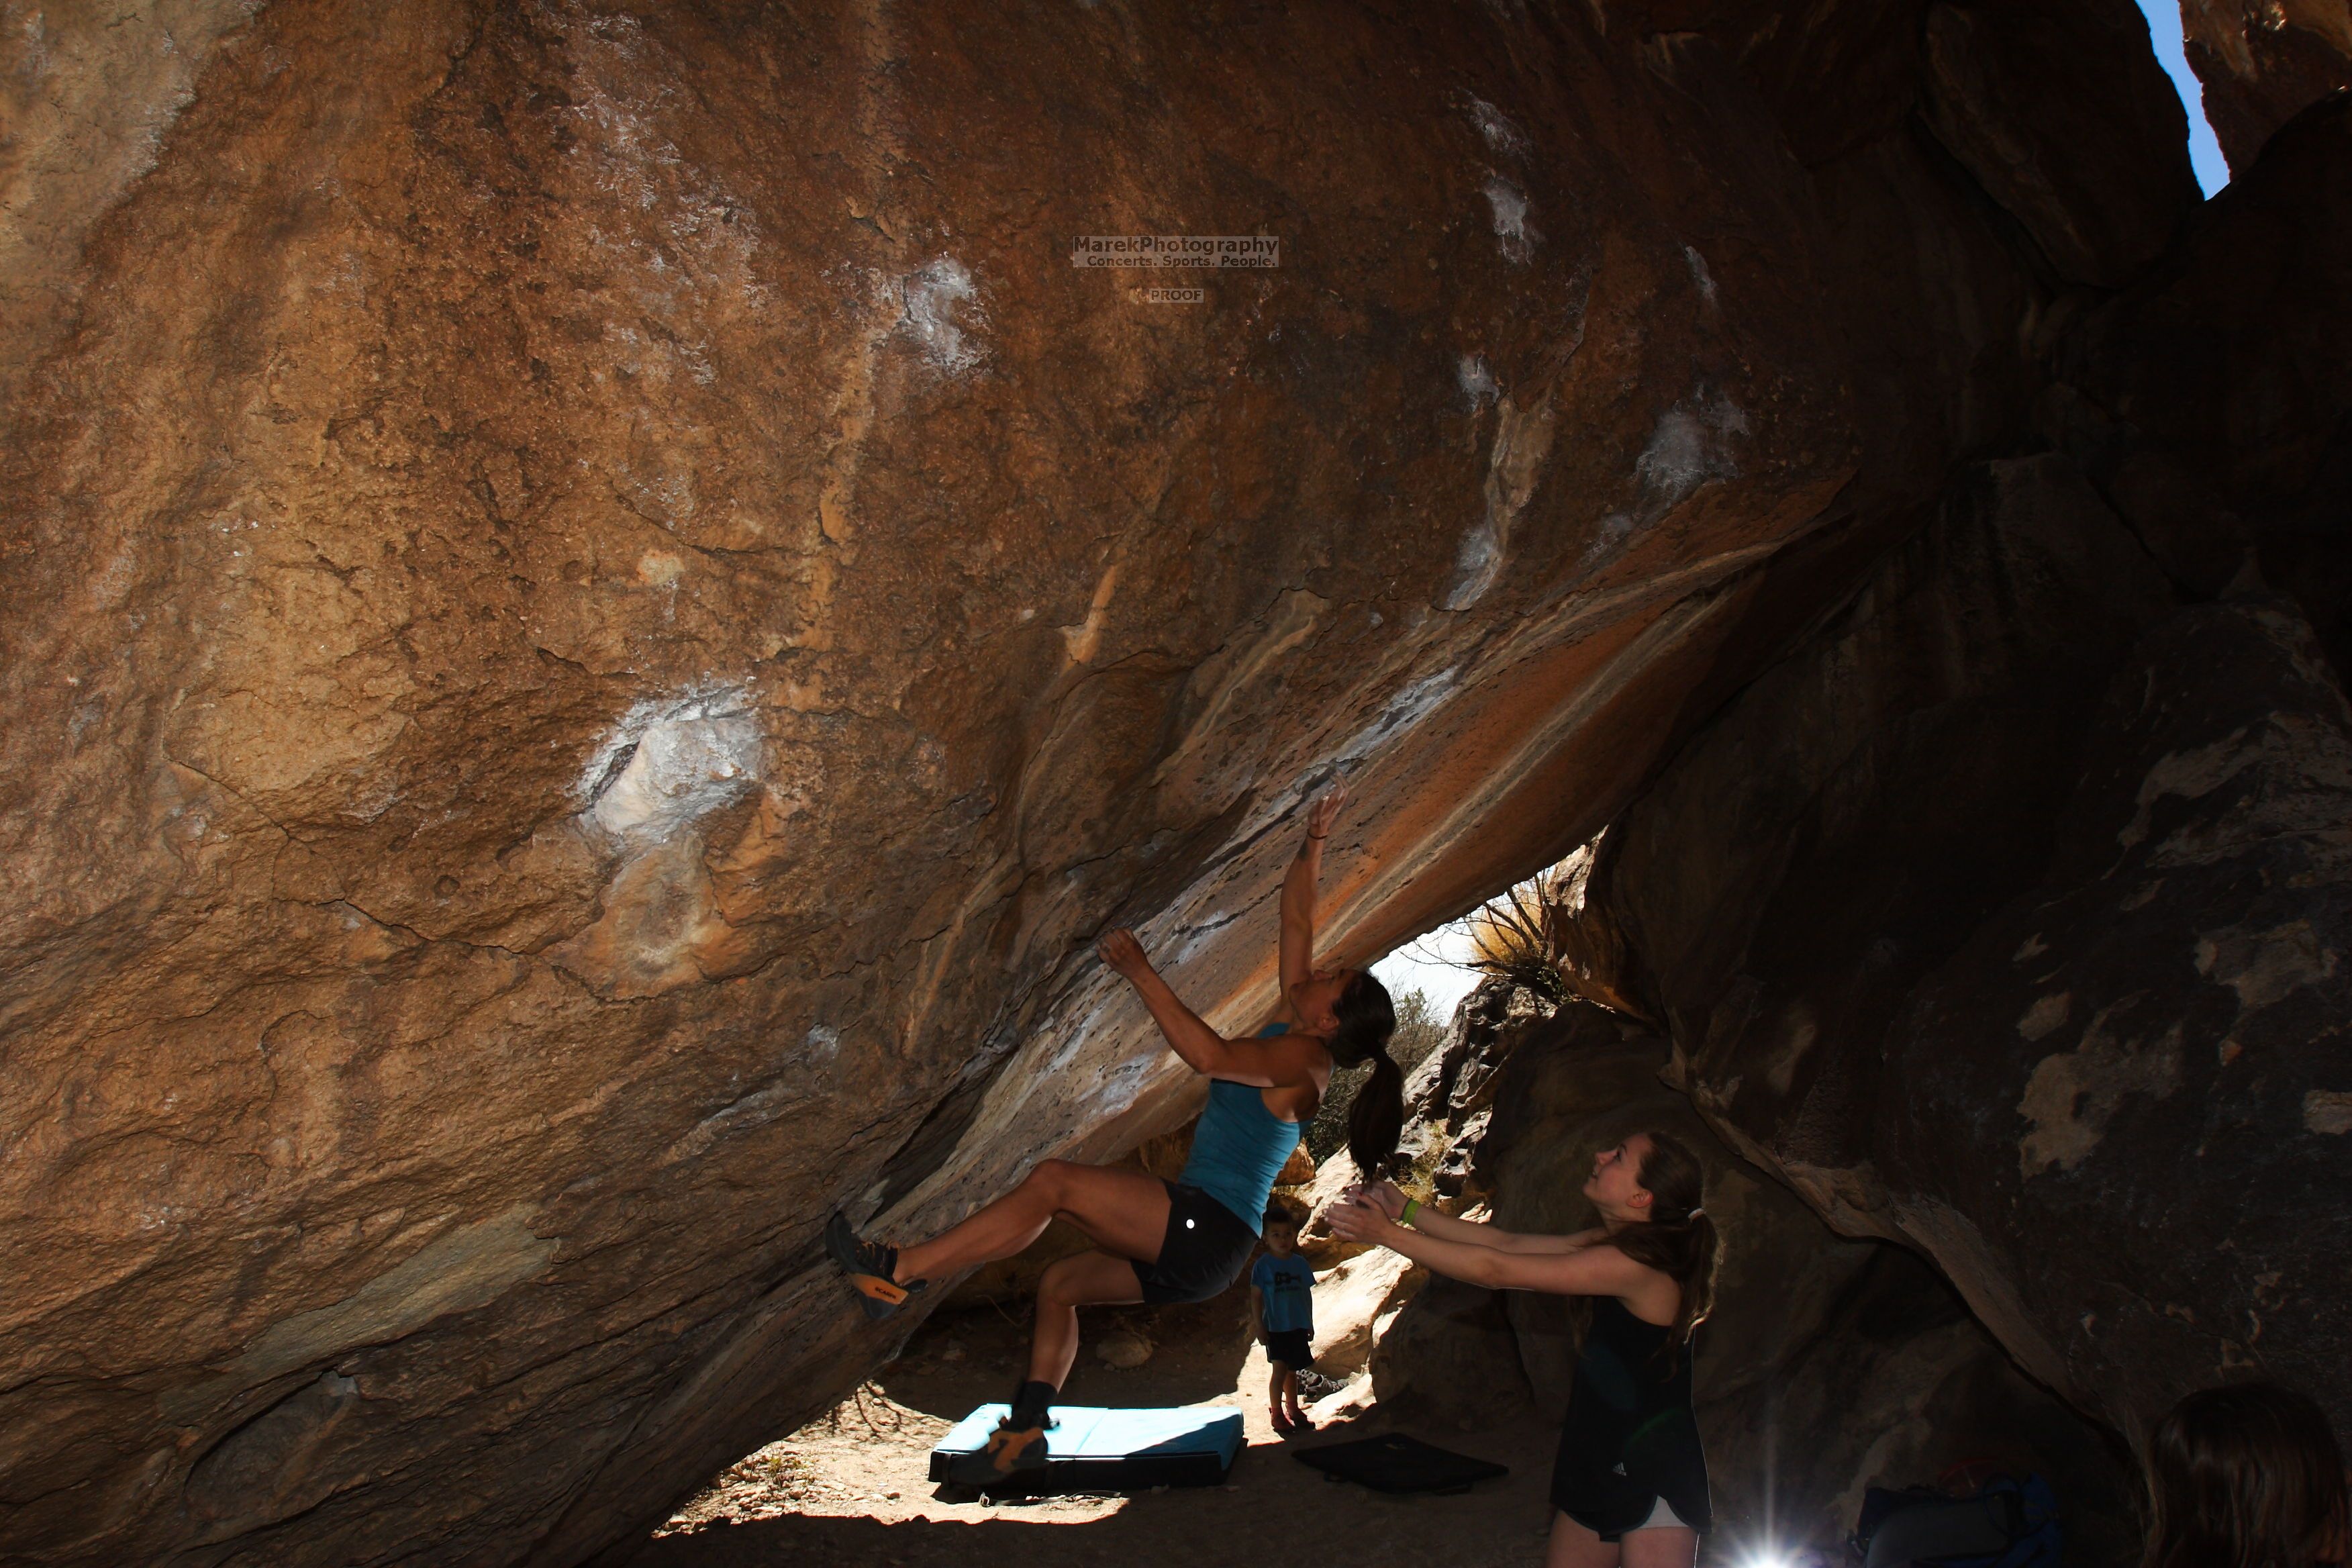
{"x": 669, "y": 762}
{"x": 1477, "y": 381}
{"x": 1700, "y": 276}
{"x": 748, "y": 1114}
{"x": 1691, "y": 445}
{"x": 1496, "y": 127}
{"x": 935, "y": 298}
{"x": 1522, "y": 442}
{"x": 1517, "y": 236}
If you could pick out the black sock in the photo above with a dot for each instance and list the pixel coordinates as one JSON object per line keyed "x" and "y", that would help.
{"x": 1031, "y": 1403}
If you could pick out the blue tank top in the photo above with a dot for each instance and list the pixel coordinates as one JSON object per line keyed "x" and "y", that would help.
{"x": 1239, "y": 1147}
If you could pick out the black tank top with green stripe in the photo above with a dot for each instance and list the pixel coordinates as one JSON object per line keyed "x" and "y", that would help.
{"x": 1630, "y": 1437}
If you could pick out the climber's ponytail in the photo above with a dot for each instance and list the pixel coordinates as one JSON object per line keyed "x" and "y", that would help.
{"x": 1376, "y": 1120}
{"x": 1679, "y": 1239}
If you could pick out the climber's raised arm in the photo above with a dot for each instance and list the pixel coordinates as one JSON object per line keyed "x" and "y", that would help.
{"x": 1298, "y": 889}
{"x": 1277, "y": 1062}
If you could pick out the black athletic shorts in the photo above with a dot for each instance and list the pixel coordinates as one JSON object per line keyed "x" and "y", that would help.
{"x": 1291, "y": 1348}
{"x": 1203, "y": 1252}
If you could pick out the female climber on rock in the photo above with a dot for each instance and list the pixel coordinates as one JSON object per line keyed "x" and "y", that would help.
{"x": 1167, "y": 1242}
{"x": 1629, "y": 1486}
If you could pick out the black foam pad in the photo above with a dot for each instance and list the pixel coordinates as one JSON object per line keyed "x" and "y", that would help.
{"x": 1394, "y": 1462}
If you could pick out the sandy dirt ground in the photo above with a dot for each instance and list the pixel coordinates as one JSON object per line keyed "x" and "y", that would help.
{"x": 851, "y": 1488}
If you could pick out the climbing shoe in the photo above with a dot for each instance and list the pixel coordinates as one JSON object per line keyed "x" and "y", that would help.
{"x": 868, "y": 1265}
{"x": 1014, "y": 1453}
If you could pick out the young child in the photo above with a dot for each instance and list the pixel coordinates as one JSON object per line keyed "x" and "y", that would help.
{"x": 1282, "y": 1299}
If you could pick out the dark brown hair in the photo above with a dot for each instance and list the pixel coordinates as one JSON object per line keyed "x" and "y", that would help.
{"x": 2244, "y": 1475}
{"x": 1376, "y": 1120}
{"x": 1678, "y": 1240}
{"x": 1282, "y": 1211}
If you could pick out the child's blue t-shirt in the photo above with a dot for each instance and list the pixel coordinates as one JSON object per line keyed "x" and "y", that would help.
{"x": 1286, "y": 1285}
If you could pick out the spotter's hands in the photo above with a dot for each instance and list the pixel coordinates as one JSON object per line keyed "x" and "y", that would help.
{"x": 1357, "y": 1220}
{"x": 1383, "y": 1196}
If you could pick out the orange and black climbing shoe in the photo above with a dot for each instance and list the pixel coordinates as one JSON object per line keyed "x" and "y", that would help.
{"x": 869, "y": 1266}
{"x": 1013, "y": 1455}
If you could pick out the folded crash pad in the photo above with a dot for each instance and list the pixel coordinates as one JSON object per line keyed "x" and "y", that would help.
{"x": 1114, "y": 1450}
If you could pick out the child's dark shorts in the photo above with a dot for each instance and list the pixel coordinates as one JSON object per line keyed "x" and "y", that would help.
{"x": 1201, "y": 1253}
{"x": 1290, "y": 1348}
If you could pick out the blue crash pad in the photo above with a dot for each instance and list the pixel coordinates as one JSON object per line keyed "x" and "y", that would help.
{"x": 1091, "y": 1449}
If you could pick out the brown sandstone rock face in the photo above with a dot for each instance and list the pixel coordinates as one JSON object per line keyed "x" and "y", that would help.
{"x": 85, "y": 97}
{"x": 595, "y": 617}
{"x": 2262, "y": 62}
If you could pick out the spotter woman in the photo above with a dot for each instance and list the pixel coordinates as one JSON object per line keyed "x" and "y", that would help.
{"x": 1629, "y": 1488}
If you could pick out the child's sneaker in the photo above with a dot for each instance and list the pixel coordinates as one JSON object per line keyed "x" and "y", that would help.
{"x": 868, "y": 1265}
{"x": 1313, "y": 1385}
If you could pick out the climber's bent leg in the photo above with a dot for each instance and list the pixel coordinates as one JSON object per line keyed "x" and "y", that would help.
{"x": 1124, "y": 1211}
{"x": 1089, "y": 1280}
{"x": 1017, "y": 1448}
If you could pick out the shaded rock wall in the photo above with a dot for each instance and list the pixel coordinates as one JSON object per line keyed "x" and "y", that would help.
{"x": 595, "y": 617}
{"x": 2005, "y": 917}
{"x": 1900, "y": 1385}
{"x": 2262, "y": 62}
{"x": 2209, "y": 402}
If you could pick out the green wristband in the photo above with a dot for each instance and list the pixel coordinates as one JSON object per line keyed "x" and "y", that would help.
{"x": 1410, "y": 1204}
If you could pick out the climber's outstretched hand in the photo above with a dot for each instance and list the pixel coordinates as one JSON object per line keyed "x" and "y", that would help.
{"x": 1297, "y": 945}
{"x": 1325, "y": 808}
{"x": 1123, "y": 952}
{"x": 1383, "y": 1196}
